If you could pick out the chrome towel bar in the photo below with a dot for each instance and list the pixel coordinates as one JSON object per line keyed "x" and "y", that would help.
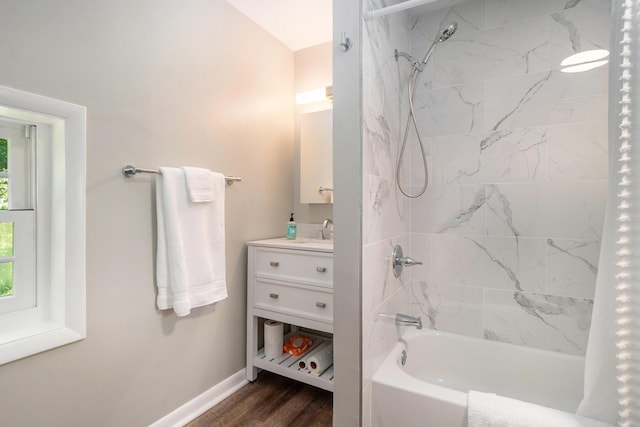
{"x": 130, "y": 171}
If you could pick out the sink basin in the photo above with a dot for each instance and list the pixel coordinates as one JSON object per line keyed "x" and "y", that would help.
{"x": 314, "y": 241}
{"x": 300, "y": 242}
{"x": 308, "y": 241}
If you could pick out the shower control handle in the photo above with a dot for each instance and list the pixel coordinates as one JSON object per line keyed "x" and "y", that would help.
{"x": 408, "y": 261}
{"x": 399, "y": 261}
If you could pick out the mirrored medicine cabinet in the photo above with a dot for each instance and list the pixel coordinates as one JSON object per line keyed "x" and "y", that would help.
{"x": 316, "y": 157}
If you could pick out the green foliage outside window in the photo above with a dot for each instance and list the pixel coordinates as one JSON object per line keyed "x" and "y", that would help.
{"x": 4, "y": 144}
{"x": 6, "y": 279}
{"x": 6, "y": 228}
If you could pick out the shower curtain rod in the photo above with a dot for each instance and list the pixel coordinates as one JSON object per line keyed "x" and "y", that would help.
{"x": 408, "y": 4}
{"x": 129, "y": 171}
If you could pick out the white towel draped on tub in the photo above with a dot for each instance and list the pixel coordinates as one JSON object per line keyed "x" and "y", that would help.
{"x": 191, "y": 246}
{"x": 491, "y": 410}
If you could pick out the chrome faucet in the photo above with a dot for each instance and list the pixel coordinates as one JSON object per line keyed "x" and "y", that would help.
{"x": 406, "y": 320}
{"x": 326, "y": 231}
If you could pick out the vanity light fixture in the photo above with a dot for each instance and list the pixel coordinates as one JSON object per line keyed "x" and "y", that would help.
{"x": 584, "y": 61}
{"x": 315, "y": 95}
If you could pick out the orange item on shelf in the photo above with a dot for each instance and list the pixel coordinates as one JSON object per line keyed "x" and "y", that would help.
{"x": 297, "y": 345}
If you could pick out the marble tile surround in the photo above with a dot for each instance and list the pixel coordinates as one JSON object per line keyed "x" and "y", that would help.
{"x": 386, "y": 218}
{"x": 510, "y": 227}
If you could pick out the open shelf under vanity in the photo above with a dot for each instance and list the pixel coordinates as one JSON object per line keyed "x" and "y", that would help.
{"x": 287, "y": 365}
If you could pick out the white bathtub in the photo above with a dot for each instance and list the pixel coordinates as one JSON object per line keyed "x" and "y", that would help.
{"x": 431, "y": 389}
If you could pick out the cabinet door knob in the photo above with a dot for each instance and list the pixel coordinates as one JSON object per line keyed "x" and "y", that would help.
{"x": 321, "y": 269}
{"x": 321, "y": 304}
{"x": 274, "y": 296}
{"x": 274, "y": 263}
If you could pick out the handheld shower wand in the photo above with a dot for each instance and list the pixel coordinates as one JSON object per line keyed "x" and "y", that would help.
{"x": 444, "y": 35}
{"x": 416, "y": 69}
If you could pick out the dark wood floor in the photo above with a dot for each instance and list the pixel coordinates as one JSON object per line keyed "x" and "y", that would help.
{"x": 272, "y": 401}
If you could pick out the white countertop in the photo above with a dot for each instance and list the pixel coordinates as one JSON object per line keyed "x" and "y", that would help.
{"x": 301, "y": 243}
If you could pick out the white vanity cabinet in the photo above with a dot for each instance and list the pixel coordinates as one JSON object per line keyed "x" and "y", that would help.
{"x": 290, "y": 281}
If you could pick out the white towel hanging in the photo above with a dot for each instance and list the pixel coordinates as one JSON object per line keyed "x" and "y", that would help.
{"x": 191, "y": 244}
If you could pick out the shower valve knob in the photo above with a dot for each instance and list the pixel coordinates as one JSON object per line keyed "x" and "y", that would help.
{"x": 399, "y": 261}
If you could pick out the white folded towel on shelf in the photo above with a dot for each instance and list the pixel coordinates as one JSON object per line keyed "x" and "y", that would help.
{"x": 190, "y": 265}
{"x": 199, "y": 184}
{"x": 491, "y": 410}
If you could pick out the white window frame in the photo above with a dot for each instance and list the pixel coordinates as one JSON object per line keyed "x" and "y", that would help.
{"x": 59, "y": 315}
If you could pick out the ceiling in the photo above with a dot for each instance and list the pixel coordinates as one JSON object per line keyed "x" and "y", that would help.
{"x": 296, "y": 23}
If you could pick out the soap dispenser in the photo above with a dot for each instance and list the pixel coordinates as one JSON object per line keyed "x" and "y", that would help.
{"x": 292, "y": 228}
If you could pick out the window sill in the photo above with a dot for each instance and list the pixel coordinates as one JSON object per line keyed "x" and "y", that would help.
{"x": 35, "y": 339}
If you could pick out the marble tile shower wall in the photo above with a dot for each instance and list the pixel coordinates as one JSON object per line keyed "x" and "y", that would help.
{"x": 510, "y": 228}
{"x": 385, "y": 215}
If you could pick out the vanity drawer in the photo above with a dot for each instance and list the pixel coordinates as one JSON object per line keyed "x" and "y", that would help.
{"x": 302, "y": 302}
{"x": 315, "y": 268}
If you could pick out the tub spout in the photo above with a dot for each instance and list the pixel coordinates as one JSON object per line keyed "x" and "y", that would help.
{"x": 406, "y": 320}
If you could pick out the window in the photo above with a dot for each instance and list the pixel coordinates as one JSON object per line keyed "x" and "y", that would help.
{"x": 6, "y": 259}
{"x": 17, "y": 217}
{"x": 6, "y": 228}
{"x": 42, "y": 223}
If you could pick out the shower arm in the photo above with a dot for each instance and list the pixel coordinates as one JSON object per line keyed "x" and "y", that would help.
{"x": 413, "y": 61}
{"x": 415, "y": 64}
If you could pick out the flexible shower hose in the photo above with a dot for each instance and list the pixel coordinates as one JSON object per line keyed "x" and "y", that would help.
{"x": 416, "y": 69}
{"x": 413, "y": 82}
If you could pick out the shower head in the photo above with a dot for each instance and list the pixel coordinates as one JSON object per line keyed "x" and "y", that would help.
{"x": 444, "y": 35}
{"x": 418, "y": 67}
{"x": 448, "y": 32}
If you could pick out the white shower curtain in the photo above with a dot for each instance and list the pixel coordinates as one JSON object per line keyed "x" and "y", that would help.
{"x": 611, "y": 378}
{"x": 600, "y": 384}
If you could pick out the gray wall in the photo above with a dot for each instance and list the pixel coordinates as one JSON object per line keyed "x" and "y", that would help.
{"x": 166, "y": 84}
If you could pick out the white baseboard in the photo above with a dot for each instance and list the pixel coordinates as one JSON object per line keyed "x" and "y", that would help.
{"x": 203, "y": 402}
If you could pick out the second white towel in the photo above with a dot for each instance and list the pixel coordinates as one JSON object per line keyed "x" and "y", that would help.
{"x": 200, "y": 184}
